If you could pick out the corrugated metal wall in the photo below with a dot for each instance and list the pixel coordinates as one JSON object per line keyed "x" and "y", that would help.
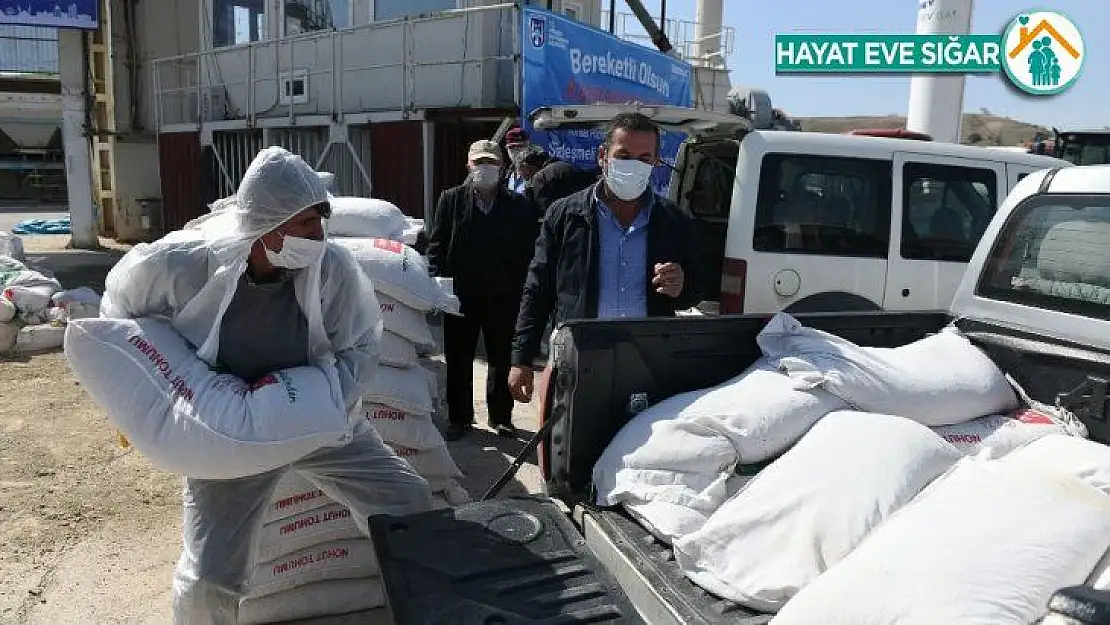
{"x": 28, "y": 49}
{"x": 179, "y": 165}
{"x": 397, "y": 159}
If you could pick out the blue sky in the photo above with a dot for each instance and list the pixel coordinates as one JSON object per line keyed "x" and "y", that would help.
{"x": 1087, "y": 103}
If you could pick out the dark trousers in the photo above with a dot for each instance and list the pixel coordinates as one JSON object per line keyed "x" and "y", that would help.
{"x": 495, "y": 318}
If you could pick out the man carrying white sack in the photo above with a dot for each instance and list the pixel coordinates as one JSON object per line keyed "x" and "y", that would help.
{"x": 256, "y": 287}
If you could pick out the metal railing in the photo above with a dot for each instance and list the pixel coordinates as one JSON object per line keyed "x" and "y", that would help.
{"x": 681, "y": 33}
{"x": 418, "y": 65}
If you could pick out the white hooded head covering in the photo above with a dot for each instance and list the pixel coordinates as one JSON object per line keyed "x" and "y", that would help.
{"x": 277, "y": 185}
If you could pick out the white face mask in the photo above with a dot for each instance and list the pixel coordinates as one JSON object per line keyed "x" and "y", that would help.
{"x": 627, "y": 178}
{"x": 296, "y": 253}
{"x": 484, "y": 176}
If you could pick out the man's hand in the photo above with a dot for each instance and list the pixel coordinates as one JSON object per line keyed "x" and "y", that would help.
{"x": 668, "y": 279}
{"x": 521, "y": 383}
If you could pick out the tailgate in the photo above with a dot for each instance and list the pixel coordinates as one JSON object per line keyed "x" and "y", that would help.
{"x": 647, "y": 571}
{"x": 504, "y": 561}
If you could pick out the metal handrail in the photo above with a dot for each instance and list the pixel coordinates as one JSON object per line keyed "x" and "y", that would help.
{"x": 679, "y": 32}
{"x": 192, "y": 71}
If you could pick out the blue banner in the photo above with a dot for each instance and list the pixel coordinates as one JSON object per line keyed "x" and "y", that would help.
{"x": 567, "y": 62}
{"x": 81, "y": 14}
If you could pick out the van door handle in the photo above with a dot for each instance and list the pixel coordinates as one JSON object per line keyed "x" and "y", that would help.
{"x": 905, "y": 292}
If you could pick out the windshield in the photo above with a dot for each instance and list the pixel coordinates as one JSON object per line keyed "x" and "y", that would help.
{"x": 1093, "y": 149}
{"x": 1054, "y": 253}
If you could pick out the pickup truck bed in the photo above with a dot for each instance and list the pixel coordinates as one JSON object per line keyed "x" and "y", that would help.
{"x": 603, "y": 368}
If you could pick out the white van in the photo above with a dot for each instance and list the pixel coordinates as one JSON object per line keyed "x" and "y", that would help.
{"x": 802, "y": 221}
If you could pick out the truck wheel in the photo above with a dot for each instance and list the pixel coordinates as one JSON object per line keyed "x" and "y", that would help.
{"x": 833, "y": 301}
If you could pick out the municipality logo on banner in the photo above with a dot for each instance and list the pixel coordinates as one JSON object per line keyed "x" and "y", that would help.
{"x": 536, "y": 27}
{"x": 1041, "y": 52}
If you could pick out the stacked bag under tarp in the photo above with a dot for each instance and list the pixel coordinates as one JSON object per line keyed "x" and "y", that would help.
{"x": 852, "y": 435}
{"x": 33, "y": 307}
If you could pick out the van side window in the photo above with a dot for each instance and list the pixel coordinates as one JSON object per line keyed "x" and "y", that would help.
{"x": 945, "y": 210}
{"x": 823, "y": 205}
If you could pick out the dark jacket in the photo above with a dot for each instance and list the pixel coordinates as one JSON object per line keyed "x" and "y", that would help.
{"x": 563, "y": 278}
{"x": 557, "y": 180}
{"x": 487, "y": 255}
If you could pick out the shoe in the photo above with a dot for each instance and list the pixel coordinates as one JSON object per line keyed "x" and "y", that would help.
{"x": 455, "y": 431}
{"x": 507, "y": 431}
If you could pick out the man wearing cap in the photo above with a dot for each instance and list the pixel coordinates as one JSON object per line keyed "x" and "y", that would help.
{"x": 516, "y": 143}
{"x": 482, "y": 235}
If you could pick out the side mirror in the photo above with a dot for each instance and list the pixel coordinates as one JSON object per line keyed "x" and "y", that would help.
{"x": 1078, "y": 605}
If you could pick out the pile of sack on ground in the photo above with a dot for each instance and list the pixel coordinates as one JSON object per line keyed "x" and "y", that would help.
{"x": 34, "y": 308}
{"x": 915, "y": 484}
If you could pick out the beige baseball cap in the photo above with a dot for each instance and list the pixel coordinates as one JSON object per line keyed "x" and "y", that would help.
{"x": 484, "y": 148}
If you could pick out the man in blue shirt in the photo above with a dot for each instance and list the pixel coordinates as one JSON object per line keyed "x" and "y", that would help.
{"x": 613, "y": 250}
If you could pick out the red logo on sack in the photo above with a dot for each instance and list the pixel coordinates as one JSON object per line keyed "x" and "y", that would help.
{"x": 265, "y": 380}
{"x": 390, "y": 246}
{"x": 1034, "y": 417}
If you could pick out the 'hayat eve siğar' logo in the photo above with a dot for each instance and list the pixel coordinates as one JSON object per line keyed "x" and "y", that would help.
{"x": 1043, "y": 52}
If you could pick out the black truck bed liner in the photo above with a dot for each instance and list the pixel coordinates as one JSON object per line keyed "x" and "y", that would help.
{"x": 498, "y": 562}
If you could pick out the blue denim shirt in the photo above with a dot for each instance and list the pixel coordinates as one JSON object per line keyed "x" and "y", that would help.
{"x": 622, "y": 272}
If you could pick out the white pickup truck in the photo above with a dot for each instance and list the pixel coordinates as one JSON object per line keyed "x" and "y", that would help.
{"x": 1035, "y": 298}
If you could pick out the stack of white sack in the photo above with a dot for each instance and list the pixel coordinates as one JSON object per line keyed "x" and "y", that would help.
{"x": 190, "y": 420}
{"x": 369, "y": 218}
{"x": 405, "y": 291}
{"x": 310, "y": 559}
{"x": 30, "y": 320}
{"x": 366, "y": 218}
{"x": 400, "y": 272}
{"x": 812, "y": 506}
{"x": 400, "y": 406}
{"x": 988, "y": 542}
{"x": 404, "y": 395}
{"x": 672, "y": 465}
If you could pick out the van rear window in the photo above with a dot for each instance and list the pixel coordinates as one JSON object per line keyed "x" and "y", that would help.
{"x": 823, "y": 205}
{"x": 1054, "y": 253}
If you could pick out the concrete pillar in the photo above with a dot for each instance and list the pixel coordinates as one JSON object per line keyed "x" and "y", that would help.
{"x": 79, "y": 184}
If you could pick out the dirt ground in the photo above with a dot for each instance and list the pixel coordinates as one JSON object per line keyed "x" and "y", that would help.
{"x": 90, "y": 531}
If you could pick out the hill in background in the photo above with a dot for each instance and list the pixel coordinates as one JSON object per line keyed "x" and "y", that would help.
{"x": 978, "y": 128}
